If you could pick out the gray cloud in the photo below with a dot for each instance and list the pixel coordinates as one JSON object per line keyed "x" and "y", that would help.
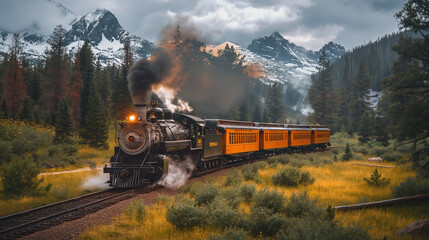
{"x": 309, "y": 23}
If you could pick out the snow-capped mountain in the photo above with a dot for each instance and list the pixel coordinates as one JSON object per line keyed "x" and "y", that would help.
{"x": 100, "y": 27}
{"x": 106, "y": 36}
{"x": 281, "y": 61}
{"x": 274, "y": 58}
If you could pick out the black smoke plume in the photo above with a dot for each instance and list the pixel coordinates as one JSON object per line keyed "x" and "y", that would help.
{"x": 144, "y": 74}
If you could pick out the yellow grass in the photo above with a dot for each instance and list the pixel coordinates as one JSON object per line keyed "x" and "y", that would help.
{"x": 385, "y": 221}
{"x": 340, "y": 183}
{"x": 64, "y": 186}
{"x": 154, "y": 226}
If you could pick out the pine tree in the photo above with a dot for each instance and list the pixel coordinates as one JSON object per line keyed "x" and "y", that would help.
{"x": 347, "y": 153}
{"x": 381, "y": 122}
{"x": 87, "y": 71}
{"x": 122, "y": 103}
{"x": 104, "y": 87}
{"x": 57, "y": 62}
{"x": 274, "y": 105}
{"x": 3, "y": 109}
{"x": 365, "y": 129}
{"x": 95, "y": 132}
{"x": 63, "y": 123}
{"x": 321, "y": 94}
{"x": 15, "y": 91}
{"x": 343, "y": 99}
{"x": 359, "y": 97}
{"x": 75, "y": 96}
{"x": 178, "y": 45}
{"x": 408, "y": 88}
{"x": 230, "y": 59}
{"x": 26, "y": 113}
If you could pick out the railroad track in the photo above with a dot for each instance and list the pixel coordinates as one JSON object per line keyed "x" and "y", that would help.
{"x": 33, "y": 220}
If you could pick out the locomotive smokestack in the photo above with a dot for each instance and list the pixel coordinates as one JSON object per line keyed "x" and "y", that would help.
{"x": 141, "y": 111}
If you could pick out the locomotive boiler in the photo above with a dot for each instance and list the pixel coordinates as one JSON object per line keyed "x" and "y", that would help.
{"x": 146, "y": 142}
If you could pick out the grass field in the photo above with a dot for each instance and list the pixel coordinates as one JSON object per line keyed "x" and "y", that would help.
{"x": 337, "y": 183}
{"x": 64, "y": 186}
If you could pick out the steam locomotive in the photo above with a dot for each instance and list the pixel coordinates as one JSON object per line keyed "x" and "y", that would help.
{"x": 147, "y": 141}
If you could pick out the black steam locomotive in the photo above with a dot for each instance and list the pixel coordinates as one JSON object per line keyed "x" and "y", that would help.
{"x": 148, "y": 141}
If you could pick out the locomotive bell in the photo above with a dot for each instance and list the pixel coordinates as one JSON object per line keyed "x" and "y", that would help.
{"x": 141, "y": 111}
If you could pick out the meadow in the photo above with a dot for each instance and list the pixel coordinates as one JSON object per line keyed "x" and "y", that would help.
{"x": 335, "y": 183}
{"x": 24, "y": 140}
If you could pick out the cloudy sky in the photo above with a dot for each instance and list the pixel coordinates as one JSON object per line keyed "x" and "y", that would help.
{"x": 308, "y": 23}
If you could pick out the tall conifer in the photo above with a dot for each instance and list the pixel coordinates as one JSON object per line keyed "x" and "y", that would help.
{"x": 95, "y": 132}
{"x": 359, "y": 97}
{"x": 408, "y": 88}
{"x": 87, "y": 71}
{"x": 57, "y": 62}
{"x": 15, "y": 90}
{"x": 274, "y": 104}
{"x": 63, "y": 123}
{"x": 122, "y": 103}
{"x": 75, "y": 96}
{"x": 321, "y": 94}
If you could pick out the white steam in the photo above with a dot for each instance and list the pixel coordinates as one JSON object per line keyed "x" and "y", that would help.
{"x": 167, "y": 96}
{"x": 178, "y": 173}
{"x": 97, "y": 182}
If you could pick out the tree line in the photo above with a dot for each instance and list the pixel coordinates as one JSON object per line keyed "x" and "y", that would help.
{"x": 78, "y": 96}
{"x": 402, "y": 112}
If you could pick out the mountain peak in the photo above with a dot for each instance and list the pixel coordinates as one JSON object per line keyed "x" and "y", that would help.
{"x": 333, "y": 50}
{"x": 96, "y": 15}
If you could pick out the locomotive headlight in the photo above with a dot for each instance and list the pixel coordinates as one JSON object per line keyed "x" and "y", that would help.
{"x": 132, "y": 118}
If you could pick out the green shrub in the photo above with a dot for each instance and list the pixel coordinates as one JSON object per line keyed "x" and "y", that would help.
{"x": 92, "y": 164}
{"x": 222, "y": 215}
{"x": 259, "y": 165}
{"x": 282, "y": 159}
{"x": 193, "y": 187}
{"x": 206, "y": 194}
{"x": 250, "y": 171}
{"x": 232, "y": 197}
{"x": 347, "y": 153}
{"x": 410, "y": 187}
{"x": 186, "y": 216}
{"x": 5, "y": 149}
{"x": 162, "y": 199}
{"x": 19, "y": 178}
{"x": 379, "y": 151}
{"x": 299, "y": 162}
{"x": 377, "y": 180}
{"x": 301, "y": 205}
{"x": 136, "y": 210}
{"x": 309, "y": 228}
{"x": 288, "y": 176}
{"x": 262, "y": 221}
{"x": 233, "y": 177}
{"x": 247, "y": 191}
{"x": 291, "y": 177}
{"x": 271, "y": 200}
{"x": 306, "y": 178}
{"x": 391, "y": 156}
{"x": 404, "y": 148}
{"x": 231, "y": 234}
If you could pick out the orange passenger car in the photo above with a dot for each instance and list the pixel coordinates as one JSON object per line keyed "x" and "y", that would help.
{"x": 236, "y": 141}
{"x": 300, "y": 135}
{"x": 272, "y": 139}
{"x": 321, "y": 135}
